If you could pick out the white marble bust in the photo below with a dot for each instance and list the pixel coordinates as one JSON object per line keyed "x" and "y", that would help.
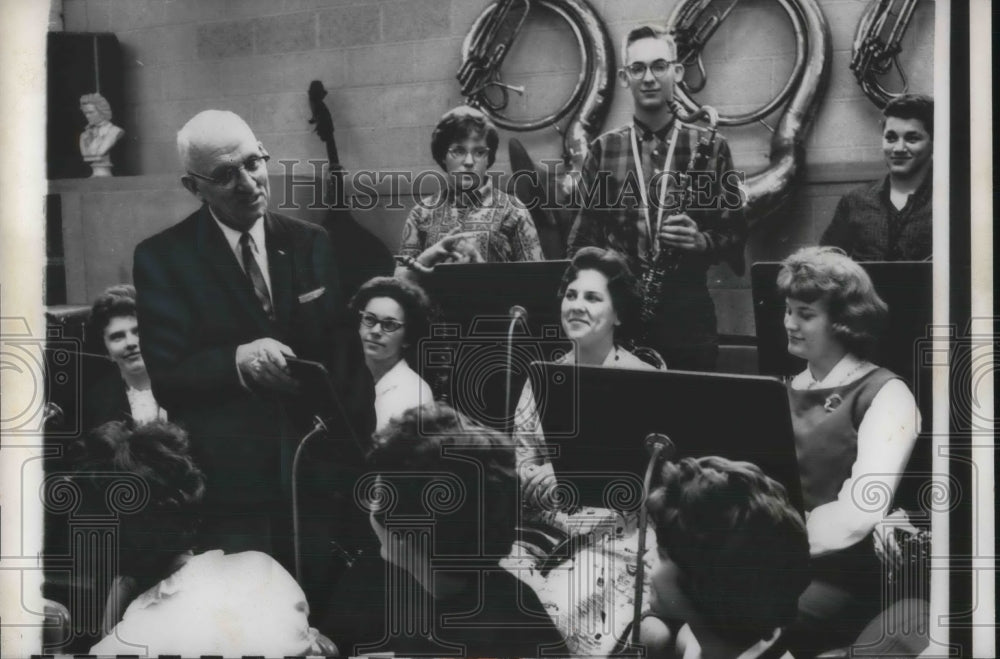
{"x": 100, "y": 135}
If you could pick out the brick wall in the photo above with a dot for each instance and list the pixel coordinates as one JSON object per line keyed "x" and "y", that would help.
{"x": 389, "y": 66}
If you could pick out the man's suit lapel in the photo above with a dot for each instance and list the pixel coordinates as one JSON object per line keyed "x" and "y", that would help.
{"x": 212, "y": 247}
{"x": 279, "y": 256}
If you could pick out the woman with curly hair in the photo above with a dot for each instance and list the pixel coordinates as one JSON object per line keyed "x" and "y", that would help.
{"x": 599, "y": 307}
{"x": 126, "y": 395}
{"x": 733, "y": 561}
{"x": 469, "y": 219}
{"x": 855, "y": 426}
{"x": 180, "y": 601}
{"x": 393, "y": 316}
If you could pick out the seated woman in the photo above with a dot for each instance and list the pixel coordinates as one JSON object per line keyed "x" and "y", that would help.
{"x": 855, "y": 426}
{"x": 600, "y": 304}
{"x": 181, "y": 602}
{"x": 733, "y": 560}
{"x": 385, "y": 306}
{"x": 443, "y": 499}
{"x": 126, "y": 395}
{"x": 469, "y": 219}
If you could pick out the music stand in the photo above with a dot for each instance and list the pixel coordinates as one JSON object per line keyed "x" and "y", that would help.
{"x": 465, "y": 291}
{"x": 595, "y": 421}
{"x": 465, "y": 359}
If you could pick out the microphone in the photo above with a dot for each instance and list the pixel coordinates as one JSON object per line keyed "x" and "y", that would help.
{"x": 659, "y": 446}
{"x": 517, "y": 311}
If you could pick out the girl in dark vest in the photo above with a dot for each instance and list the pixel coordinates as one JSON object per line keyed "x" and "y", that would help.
{"x": 855, "y": 426}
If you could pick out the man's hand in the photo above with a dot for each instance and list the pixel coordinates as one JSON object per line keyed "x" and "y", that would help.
{"x": 456, "y": 248}
{"x": 262, "y": 364}
{"x": 681, "y": 232}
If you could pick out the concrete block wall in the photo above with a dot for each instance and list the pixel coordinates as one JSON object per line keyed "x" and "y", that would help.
{"x": 389, "y": 66}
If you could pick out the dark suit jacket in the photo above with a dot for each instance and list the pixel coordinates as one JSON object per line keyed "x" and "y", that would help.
{"x": 196, "y": 305}
{"x": 105, "y": 400}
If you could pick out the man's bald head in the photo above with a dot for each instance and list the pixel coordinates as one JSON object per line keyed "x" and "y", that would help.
{"x": 207, "y": 132}
{"x": 225, "y": 167}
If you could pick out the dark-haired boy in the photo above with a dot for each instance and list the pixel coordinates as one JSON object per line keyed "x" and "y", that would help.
{"x": 890, "y": 220}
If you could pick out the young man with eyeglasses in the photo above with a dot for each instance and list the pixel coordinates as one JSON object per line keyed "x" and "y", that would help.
{"x": 225, "y": 297}
{"x": 468, "y": 219}
{"x": 629, "y": 198}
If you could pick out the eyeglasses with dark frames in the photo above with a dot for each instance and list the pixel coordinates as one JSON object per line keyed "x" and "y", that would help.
{"x": 461, "y": 153}
{"x": 660, "y": 68}
{"x": 388, "y": 325}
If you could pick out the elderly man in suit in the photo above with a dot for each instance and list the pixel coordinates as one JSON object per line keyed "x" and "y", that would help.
{"x": 225, "y": 297}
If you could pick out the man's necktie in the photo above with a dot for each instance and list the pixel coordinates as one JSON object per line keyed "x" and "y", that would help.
{"x": 256, "y": 276}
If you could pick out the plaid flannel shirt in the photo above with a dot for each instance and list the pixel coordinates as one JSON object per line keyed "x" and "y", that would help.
{"x": 502, "y": 227}
{"x": 611, "y": 214}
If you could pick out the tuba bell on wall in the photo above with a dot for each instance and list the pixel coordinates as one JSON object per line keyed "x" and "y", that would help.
{"x": 692, "y": 22}
{"x": 877, "y": 47}
{"x": 488, "y": 43}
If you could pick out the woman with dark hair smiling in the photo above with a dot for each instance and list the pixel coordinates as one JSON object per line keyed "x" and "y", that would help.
{"x": 393, "y": 316}
{"x": 599, "y": 309}
{"x": 128, "y": 394}
{"x": 470, "y": 220}
{"x": 855, "y": 426}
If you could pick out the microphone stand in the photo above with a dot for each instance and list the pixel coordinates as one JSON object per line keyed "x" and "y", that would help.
{"x": 319, "y": 427}
{"x": 658, "y": 445}
{"x": 517, "y": 313}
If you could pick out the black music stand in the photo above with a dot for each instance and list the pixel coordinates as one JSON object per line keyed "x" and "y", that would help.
{"x": 465, "y": 291}
{"x": 464, "y": 360}
{"x": 595, "y": 421}
{"x": 907, "y": 287}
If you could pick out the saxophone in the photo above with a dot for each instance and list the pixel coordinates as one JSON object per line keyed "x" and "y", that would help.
{"x": 668, "y": 259}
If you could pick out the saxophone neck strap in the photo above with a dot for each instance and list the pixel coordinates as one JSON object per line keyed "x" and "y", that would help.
{"x": 653, "y": 229}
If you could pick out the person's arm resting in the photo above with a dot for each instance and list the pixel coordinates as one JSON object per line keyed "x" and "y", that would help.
{"x": 885, "y": 440}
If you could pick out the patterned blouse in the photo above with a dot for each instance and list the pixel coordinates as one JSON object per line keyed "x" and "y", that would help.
{"x": 503, "y": 228}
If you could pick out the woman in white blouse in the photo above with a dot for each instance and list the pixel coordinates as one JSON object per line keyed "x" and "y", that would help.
{"x": 599, "y": 305}
{"x": 169, "y": 597}
{"x": 126, "y": 395}
{"x": 393, "y": 315}
{"x": 855, "y": 426}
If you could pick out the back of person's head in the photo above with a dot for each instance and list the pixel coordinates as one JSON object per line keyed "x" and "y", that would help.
{"x": 441, "y": 466}
{"x": 149, "y": 476}
{"x": 462, "y": 123}
{"x": 912, "y": 106}
{"x": 116, "y": 301}
{"x": 740, "y": 545}
{"x": 647, "y": 31}
{"x": 857, "y": 312}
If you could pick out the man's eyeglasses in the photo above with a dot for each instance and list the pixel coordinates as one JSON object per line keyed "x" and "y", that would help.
{"x": 660, "y": 67}
{"x": 388, "y": 325}
{"x": 461, "y": 153}
{"x": 228, "y": 177}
